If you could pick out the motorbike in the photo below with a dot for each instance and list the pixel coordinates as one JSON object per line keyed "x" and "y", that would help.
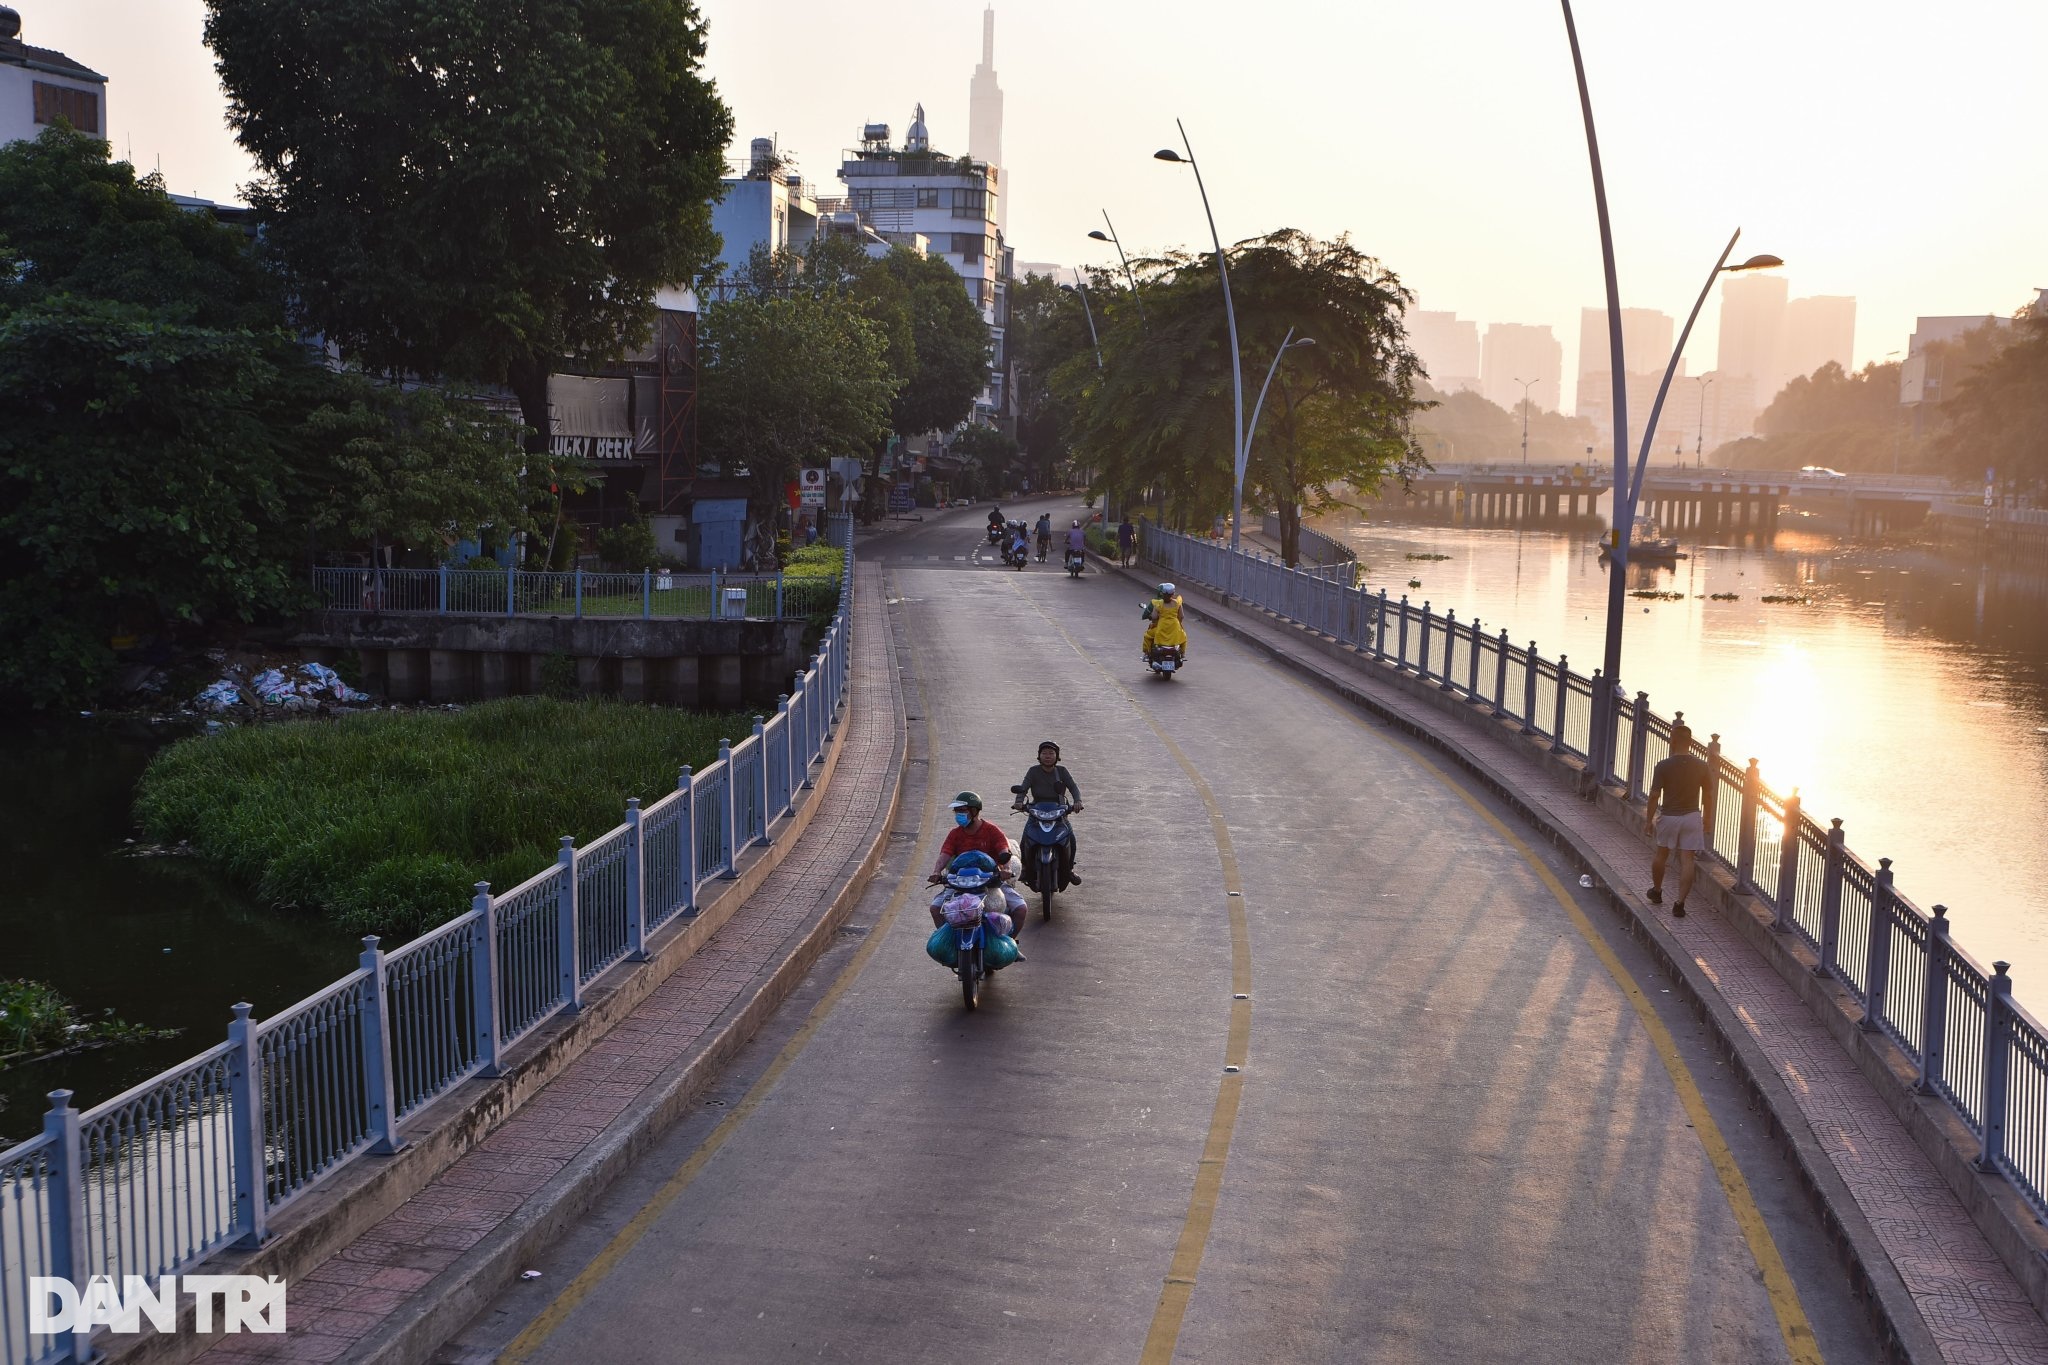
{"x": 1166, "y": 660}
{"x": 976, "y": 931}
{"x": 1076, "y": 562}
{"x": 995, "y": 533}
{"x": 1016, "y": 555}
{"x": 1048, "y": 849}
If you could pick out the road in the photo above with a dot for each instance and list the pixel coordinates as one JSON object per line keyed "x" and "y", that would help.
{"x": 1469, "y": 1121}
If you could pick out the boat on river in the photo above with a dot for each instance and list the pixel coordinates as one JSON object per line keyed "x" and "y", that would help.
{"x": 1645, "y": 543}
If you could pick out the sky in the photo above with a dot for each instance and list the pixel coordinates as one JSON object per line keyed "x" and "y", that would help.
{"x": 1890, "y": 151}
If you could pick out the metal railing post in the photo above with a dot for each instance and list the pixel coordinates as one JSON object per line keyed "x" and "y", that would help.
{"x": 800, "y": 706}
{"x": 778, "y": 594}
{"x": 760, "y": 831}
{"x": 729, "y": 813}
{"x": 1787, "y": 903}
{"x": 636, "y": 884}
{"x": 579, "y": 592}
{"x": 1379, "y": 634}
{"x": 67, "y": 1258}
{"x": 646, "y": 593}
{"x": 483, "y": 981}
{"x": 444, "y": 589}
{"x": 717, "y": 607}
{"x": 1877, "y": 954}
{"x": 379, "y": 1090}
{"x": 1830, "y": 903}
{"x": 1599, "y": 766}
{"x": 1422, "y": 655}
{"x": 1564, "y": 684}
{"x": 1934, "y": 1003}
{"x": 1401, "y": 639}
{"x": 1638, "y": 745}
{"x": 566, "y": 937}
{"x": 789, "y": 769}
{"x": 1449, "y": 684}
{"x": 1997, "y": 1061}
{"x": 245, "y": 1129}
{"x": 1500, "y": 673}
{"x": 512, "y": 591}
{"x": 1745, "y": 846}
{"x": 686, "y": 842}
{"x": 1710, "y": 797}
{"x": 1529, "y": 691}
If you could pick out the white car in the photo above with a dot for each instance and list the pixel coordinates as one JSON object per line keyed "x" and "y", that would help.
{"x": 1820, "y": 472}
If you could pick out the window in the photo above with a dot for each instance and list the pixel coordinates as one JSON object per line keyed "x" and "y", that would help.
{"x": 79, "y": 108}
{"x": 970, "y": 204}
{"x": 927, "y": 199}
{"x": 968, "y": 245}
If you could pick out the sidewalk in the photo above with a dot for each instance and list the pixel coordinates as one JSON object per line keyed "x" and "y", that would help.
{"x": 1941, "y": 1291}
{"x": 411, "y": 1280}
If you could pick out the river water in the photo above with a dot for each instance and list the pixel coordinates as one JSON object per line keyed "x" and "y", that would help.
{"x": 160, "y": 941}
{"x": 1908, "y": 696}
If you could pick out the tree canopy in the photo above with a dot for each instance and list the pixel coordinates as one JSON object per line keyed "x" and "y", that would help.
{"x": 1998, "y": 416}
{"x": 1157, "y": 412}
{"x": 474, "y": 190}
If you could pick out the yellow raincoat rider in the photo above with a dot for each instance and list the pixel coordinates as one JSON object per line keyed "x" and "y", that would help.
{"x": 1164, "y": 613}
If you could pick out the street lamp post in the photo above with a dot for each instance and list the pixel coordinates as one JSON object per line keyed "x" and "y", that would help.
{"x": 1082, "y": 290}
{"x": 1699, "y": 445}
{"x": 1287, "y": 343}
{"x": 1117, "y": 242}
{"x": 1626, "y": 489}
{"x": 1236, "y": 363}
{"x": 1525, "y": 383}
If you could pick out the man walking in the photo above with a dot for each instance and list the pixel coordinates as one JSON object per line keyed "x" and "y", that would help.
{"x": 1673, "y": 819}
{"x": 1126, "y": 541}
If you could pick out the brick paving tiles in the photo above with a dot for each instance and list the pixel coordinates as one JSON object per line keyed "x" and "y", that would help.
{"x": 1972, "y": 1305}
{"x": 347, "y": 1297}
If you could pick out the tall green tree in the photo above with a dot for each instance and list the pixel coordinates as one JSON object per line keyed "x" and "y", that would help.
{"x": 473, "y": 189}
{"x": 1998, "y": 417}
{"x": 790, "y": 381}
{"x": 1158, "y": 411}
{"x": 1048, "y": 326}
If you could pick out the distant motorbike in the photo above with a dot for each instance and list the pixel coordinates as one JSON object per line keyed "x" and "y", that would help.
{"x": 1048, "y": 849}
{"x": 1076, "y": 562}
{"x": 1016, "y": 555}
{"x": 1166, "y": 660}
{"x": 995, "y": 533}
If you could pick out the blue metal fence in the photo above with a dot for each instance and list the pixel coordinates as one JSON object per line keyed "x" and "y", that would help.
{"x": 524, "y": 592}
{"x": 1957, "y": 1022}
{"x": 201, "y": 1156}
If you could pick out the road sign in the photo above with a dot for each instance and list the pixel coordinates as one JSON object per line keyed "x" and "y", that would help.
{"x": 811, "y": 486}
{"x": 902, "y": 498}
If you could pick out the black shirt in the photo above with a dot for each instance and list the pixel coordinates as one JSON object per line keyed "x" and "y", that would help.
{"x": 1042, "y": 785}
{"x": 1681, "y": 778}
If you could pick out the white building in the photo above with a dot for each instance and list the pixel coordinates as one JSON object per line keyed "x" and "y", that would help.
{"x": 38, "y": 87}
{"x": 1448, "y": 347}
{"x": 1646, "y": 349}
{"x": 1513, "y": 352}
{"x": 917, "y": 191}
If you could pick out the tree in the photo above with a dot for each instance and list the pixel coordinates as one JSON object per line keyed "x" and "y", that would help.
{"x": 1999, "y": 416}
{"x": 949, "y": 340}
{"x": 1048, "y": 326}
{"x": 996, "y": 457}
{"x": 790, "y": 381}
{"x": 475, "y": 190}
{"x": 1158, "y": 411}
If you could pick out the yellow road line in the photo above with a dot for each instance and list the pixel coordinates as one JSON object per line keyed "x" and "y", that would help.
{"x": 1163, "y": 1336}
{"x": 606, "y": 1261}
{"x": 1800, "y": 1343}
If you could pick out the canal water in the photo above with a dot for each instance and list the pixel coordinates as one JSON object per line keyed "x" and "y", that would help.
{"x": 1908, "y": 695}
{"x": 160, "y": 941}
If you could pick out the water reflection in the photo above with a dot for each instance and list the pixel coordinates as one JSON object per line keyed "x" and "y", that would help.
{"x": 1907, "y": 695}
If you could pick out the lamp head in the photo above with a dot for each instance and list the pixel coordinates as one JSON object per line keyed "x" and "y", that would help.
{"x": 1167, "y": 154}
{"x": 1302, "y": 341}
{"x": 1098, "y": 235}
{"x": 1756, "y": 263}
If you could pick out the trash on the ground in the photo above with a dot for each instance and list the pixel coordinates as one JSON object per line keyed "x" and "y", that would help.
{"x": 529, "y": 1274}
{"x": 292, "y": 687}
{"x": 1586, "y": 879}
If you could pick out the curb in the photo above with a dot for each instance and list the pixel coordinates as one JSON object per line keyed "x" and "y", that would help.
{"x": 1901, "y": 1328}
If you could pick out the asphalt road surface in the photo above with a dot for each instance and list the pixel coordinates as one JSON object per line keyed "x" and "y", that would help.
{"x": 1453, "y": 1135}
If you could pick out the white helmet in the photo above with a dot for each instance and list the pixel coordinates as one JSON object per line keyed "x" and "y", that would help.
{"x": 1166, "y": 590}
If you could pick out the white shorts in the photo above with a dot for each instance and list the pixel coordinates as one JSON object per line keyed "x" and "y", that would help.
{"x": 1687, "y": 833}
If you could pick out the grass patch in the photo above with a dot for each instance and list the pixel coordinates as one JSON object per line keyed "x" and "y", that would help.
{"x": 382, "y": 821}
{"x": 37, "y": 1022}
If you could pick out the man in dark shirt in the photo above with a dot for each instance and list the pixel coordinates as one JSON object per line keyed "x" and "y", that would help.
{"x": 1049, "y": 780}
{"x": 1673, "y": 819}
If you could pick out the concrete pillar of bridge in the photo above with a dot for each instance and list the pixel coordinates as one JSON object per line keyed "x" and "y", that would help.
{"x": 633, "y": 680}
{"x": 406, "y": 674}
{"x": 727, "y": 682}
{"x": 683, "y": 682}
{"x": 494, "y": 673}
{"x": 590, "y": 677}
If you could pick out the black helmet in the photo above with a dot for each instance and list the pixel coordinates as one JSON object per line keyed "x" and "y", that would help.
{"x": 1045, "y": 744}
{"x": 966, "y": 801}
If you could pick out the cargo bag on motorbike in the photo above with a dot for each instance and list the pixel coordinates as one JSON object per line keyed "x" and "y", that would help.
{"x": 998, "y": 951}
{"x": 943, "y": 947}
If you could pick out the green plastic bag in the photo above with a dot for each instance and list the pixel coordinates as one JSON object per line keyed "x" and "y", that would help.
{"x": 943, "y": 947}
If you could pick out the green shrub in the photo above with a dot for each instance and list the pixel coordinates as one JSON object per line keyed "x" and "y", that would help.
{"x": 382, "y": 820}
{"x": 629, "y": 545}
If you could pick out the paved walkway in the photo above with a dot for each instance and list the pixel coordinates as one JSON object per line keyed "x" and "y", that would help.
{"x": 1973, "y": 1307}
{"x": 335, "y": 1307}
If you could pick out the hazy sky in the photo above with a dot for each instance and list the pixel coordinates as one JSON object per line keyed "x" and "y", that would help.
{"x": 1887, "y": 150}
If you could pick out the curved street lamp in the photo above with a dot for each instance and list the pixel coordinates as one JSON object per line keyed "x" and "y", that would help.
{"x": 1099, "y": 235}
{"x": 1287, "y": 343}
{"x": 1082, "y": 290}
{"x": 1525, "y": 383}
{"x": 1236, "y": 365}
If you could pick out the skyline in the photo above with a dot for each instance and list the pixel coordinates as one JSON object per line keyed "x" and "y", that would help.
{"x": 1815, "y": 139}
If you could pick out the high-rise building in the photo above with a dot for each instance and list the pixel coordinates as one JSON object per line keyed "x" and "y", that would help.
{"x": 38, "y": 87}
{"x": 985, "y": 111}
{"x": 1448, "y": 347}
{"x": 1817, "y": 330}
{"x": 1513, "y": 352}
{"x": 1753, "y": 332}
{"x": 1646, "y": 350}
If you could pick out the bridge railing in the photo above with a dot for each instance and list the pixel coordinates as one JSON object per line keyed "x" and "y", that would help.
{"x": 651, "y": 593}
{"x": 1955, "y": 1021}
{"x": 201, "y": 1156}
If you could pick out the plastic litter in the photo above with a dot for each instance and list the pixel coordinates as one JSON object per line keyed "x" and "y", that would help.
{"x": 529, "y": 1274}
{"x": 1586, "y": 880}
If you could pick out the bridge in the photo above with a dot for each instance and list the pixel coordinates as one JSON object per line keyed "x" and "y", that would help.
{"x": 1357, "y": 1042}
{"x": 1676, "y": 497}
